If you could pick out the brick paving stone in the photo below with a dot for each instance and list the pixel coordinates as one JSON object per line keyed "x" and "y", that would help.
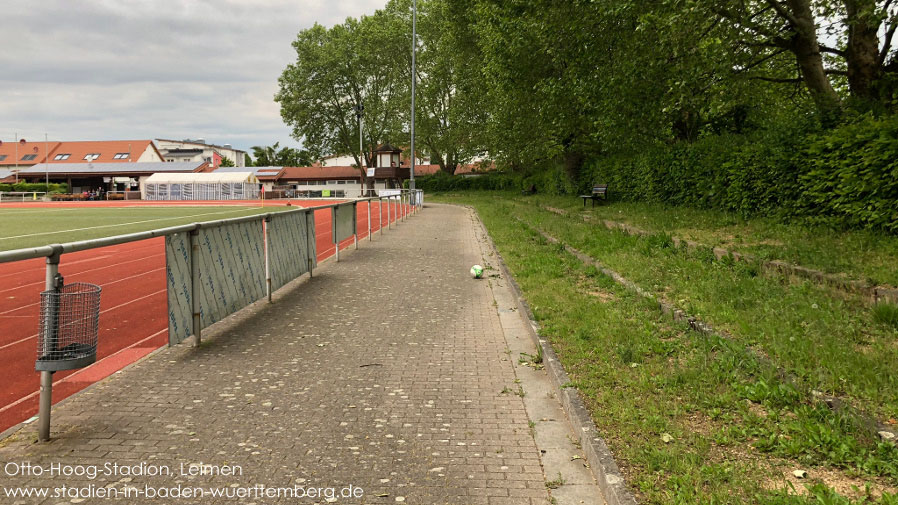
{"x": 385, "y": 371}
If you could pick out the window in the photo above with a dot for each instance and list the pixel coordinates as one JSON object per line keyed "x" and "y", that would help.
{"x": 91, "y": 156}
{"x": 120, "y": 156}
{"x": 2, "y": 157}
{"x": 60, "y": 157}
{"x": 29, "y": 157}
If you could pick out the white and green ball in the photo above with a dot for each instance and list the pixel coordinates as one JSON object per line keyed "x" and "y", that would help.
{"x": 477, "y": 271}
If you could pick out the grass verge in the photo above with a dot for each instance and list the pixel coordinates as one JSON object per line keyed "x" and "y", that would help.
{"x": 696, "y": 419}
{"x": 862, "y": 255}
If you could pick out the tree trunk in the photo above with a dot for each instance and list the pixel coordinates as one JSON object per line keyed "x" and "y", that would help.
{"x": 686, "y": 125}
{"x": 573, "y": 161}
{"x": 862, "y": 51}
{"x": 807, "y": 52}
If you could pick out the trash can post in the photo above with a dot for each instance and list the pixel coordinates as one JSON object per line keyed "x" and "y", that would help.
{"x": 46, "y": 391}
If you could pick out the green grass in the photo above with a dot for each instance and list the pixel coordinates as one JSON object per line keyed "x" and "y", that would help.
{"x": 31, "y": 227}
{"x": 862, "y": 255}
{"x": 737, "y": 424}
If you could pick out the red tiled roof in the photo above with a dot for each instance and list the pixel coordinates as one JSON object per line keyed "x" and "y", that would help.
{"x": 76, "y": 151}
{"x": 325, "y": 173}
{"x": 106, "y": 149}
{"x": 28, "y": 148}
{"x": 321, "y": 173}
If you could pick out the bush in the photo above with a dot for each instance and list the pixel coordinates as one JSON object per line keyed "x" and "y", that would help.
{"x": 441, "y": 182}
{"x": 852, "y": 178}
{"x": 843, "y": 177}
{"x": 32, "y": 187}
{"x": 749, "y": 175}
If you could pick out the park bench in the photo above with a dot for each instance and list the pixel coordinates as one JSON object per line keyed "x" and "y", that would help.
{"x": 598, "y": 191}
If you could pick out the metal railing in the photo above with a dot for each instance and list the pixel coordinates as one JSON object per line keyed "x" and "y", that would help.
{"x": 22, "y": 196}
{"x": 189, "y": 247}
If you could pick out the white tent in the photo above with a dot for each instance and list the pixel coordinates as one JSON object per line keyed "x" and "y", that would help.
{"x": 202, "y": 186}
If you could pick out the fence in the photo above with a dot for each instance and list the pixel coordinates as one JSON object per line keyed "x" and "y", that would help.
{"x": 202, "y": 191}
{"x": 22, "y": 196}
{"x": 213, "y": 269}
{"x": 122, "y": 195}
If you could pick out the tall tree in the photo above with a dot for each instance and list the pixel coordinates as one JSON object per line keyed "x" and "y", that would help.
{"x": 770, "y": 28}
{"x": 273, "y": 156}
{"x": 449, "y": 103}
{"x": 336, "y": 70}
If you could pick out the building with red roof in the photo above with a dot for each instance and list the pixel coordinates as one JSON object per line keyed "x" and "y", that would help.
{"x": 27, "y": 154}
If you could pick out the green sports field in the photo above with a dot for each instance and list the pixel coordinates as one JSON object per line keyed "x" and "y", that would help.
{"x": 37, "y": 226}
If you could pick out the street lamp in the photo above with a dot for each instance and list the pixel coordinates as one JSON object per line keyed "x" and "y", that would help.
{"x": 411, "y": 181}
{"x": 359, "y": 109}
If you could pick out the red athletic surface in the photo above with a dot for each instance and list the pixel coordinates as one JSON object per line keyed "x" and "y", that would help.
{"x": 133, "y": 303}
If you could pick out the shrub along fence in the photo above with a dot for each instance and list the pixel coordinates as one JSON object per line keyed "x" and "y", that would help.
{"x": 843, "y": 177}
{"x": 39, "y": 187}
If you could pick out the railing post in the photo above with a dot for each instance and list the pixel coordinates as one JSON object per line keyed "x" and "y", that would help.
{"x": 195, "y": 286}
{"x": 265, "y": 223}
{"x": 389, "y": 204}
{"x": 355, "y": 223}
{"x": 380, "y": 217}
{"x": 334, "y": 233}
{"x": 310, "y": 244}
{"x": 369, "y": 220}
{"x": 46, "y": 391}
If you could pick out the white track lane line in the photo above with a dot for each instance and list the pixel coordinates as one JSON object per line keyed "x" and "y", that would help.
{"x": 104, "y": 267}
{"x": 3, "y": 313}
{"x": 32, "y": 395}
{"x": 101, "y": 312}
{"x": 112, "y": 252}
{"x": 57, "y": 232}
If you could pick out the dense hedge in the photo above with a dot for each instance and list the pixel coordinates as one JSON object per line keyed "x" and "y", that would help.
{"x": 852, "y": 175}
{"x": 845, "y": 177}
{"x": 442, "y": 181}
{"x": 39, "y": 187}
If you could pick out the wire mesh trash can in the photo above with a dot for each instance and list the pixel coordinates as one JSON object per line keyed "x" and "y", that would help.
{"x": 70, "y": 319}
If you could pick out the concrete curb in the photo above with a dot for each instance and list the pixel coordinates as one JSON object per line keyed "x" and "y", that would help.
{"x": 599, "y": 457}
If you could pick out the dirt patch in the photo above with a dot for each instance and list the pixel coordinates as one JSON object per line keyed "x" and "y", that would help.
{"x": 731, "y": 242}
{"x": 556, "y": 211}
{"x": 700, "y": 423}
{"x": 852, "y": 487}
{"x": 601, "y": 295}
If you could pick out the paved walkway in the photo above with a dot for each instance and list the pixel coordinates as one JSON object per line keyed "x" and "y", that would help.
{"x": 388, "y": 371}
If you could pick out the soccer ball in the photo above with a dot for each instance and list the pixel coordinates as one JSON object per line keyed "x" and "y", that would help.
{"x": 476, "y": 271}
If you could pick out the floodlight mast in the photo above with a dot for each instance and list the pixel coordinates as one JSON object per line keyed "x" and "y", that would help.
{"x": 359, "y": 108}
{"x": 411, "y": 181}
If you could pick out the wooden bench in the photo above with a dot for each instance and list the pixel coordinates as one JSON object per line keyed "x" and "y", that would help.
{"x": 599, "y": 191}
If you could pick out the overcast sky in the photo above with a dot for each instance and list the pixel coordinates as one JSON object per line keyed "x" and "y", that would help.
{"x": 142, "y": 69}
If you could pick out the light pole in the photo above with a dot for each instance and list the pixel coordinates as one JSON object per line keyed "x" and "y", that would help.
{"x": 47, "y": 163}
{"x": 411, "y": 180}
{"x": 359, "y": 108}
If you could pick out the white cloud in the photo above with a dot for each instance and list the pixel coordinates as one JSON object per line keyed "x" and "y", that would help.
{"x": 129, "y": 69}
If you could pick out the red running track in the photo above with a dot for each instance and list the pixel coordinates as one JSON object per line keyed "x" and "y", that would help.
{"x": 133, "y": 308}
